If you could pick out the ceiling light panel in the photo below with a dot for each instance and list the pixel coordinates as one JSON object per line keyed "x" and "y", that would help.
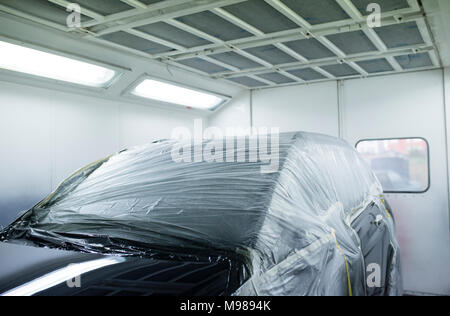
{"x": 176, "y": 94}
{"x": 39, "y": 63}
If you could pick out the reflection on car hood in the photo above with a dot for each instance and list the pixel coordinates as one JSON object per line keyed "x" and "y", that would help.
{"x": 40, "y": 271}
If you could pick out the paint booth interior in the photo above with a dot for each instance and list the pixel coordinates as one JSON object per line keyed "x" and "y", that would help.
{"x": 82, "y": 81}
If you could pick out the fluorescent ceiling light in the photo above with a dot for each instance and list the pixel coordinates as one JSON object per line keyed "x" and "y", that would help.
{"x": 170, "y": 93}
{"x": 42, "y": 64}
{"x": 62, "y": 275}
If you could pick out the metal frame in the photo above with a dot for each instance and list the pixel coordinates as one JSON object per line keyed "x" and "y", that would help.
{"x": 167, "y": 11}
{"x": 349, "y": 59}
{"x": 332, "y": 78}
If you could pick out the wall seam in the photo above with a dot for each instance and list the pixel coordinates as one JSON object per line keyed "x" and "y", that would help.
{"x": 340, "y": 118}
{"x": 446, "y": 130}
{"x": 251, "y": 109}
{"x": 52, "y": 145}
{"x": 119, "y": 127}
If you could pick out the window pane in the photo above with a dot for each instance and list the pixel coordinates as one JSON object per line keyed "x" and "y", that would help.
{"x": 401, "y": 165}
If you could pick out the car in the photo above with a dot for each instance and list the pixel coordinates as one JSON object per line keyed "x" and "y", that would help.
{"x": 143, "y": 223}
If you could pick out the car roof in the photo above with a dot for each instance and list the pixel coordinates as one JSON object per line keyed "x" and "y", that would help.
{"x": 142, "y": 194}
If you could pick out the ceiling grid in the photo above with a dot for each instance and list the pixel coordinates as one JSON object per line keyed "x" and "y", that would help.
{"x": 254, "y": 43}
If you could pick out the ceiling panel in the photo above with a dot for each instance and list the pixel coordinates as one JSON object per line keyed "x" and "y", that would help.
{"x": 276, "y": 78}
{"x": 148, "y": 2}
{"x": 236, "y": 60}
{"x": 202, "y": 65}
{"x": 248, "y": 82}
{"x": 375, "y": 65}
{"x": 340, "y": 70}
{"x": 352, "y": 42}
{"x": 399, "y": 35}
{"x": 137, "y": 43}
{"x": 261, "y": 15}
{"x": 415, "y": 61}
{"x": 214, "y": 25}
{"x": 317, "y": 11}
{"x": 104, "y": 7}
{"x": 271, "y": 54}
{"x": 310, "y": 49}
{"x": 307, "y": 74}
{"x": 173, "y": 34}
{"x": 192, "y": 26}
{"x": 41, "y": 9}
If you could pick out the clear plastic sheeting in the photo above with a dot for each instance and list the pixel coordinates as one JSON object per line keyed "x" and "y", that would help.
{"x": 295, "y": 227}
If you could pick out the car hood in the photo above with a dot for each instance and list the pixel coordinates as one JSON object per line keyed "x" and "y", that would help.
{"x": 27, "y": 271}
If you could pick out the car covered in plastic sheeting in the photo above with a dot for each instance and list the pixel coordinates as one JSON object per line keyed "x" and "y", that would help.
{"x": 318, "y": 225}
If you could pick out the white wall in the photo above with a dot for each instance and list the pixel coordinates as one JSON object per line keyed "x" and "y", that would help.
{"x": 46, "y": 135}
{"x": 236, "y": 113}
{"x": 312, "y": 108}
{"x": 447, "y": 108}
{"x": 410, "y": 105}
